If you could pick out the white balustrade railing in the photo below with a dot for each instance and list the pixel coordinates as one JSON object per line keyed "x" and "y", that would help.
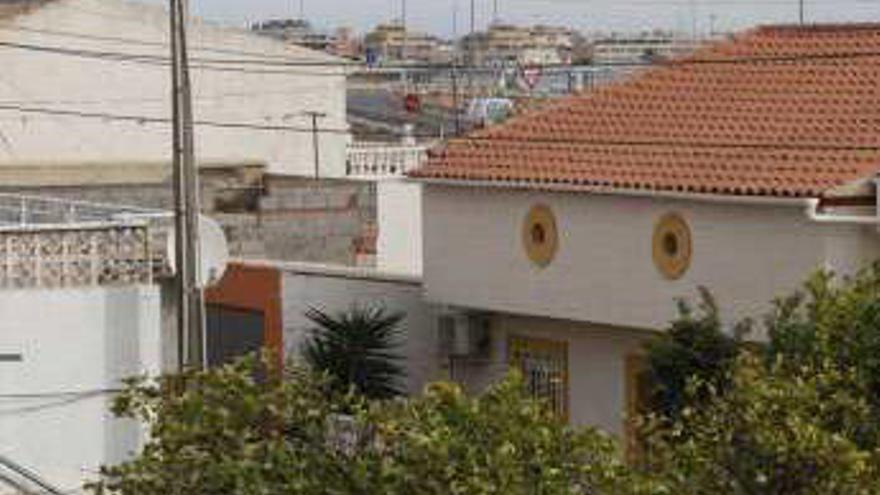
{"x": 383, "y": 160}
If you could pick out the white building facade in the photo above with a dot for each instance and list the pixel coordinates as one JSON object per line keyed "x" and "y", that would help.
{"x": 570, "y": 232}
{"x": 83, "y": 310}
{"x": 93, "y": 75}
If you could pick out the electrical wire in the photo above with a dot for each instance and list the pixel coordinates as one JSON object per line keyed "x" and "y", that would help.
{"x": 61, "y": 395}
{"x": 471, "y": 138}
{"x": 143, "y": 119}
{"x": 158, "y": 44}
{"x": 212, "y": 63}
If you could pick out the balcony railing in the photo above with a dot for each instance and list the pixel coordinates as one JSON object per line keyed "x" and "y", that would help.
{"x": 383, "y": 160}
{"x": 54, "y": 243}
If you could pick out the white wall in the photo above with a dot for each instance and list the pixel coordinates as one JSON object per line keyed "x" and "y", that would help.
{"x": 400, "y": 226}
{"x": 266, "y": 96}
{"x": 75, "y": 340}
{"x": 604, "y": 271}
{"x": 336, "y": 291}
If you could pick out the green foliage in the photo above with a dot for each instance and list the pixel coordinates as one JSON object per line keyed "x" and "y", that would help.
{"x": 694, "y": 347}
{"x": 797, "y": 416}
{"x": 356, "y": 350}
{"x": 223, "y": 432}
{"x": 834, "y": 324}
{"x": 769, "y": 434}
{"x": 499, "y": 443}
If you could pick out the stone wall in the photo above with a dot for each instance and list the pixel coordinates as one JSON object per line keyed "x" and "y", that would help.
{"x": 265, "y": 217}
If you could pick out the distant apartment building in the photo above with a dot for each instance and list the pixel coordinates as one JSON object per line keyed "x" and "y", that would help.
{"x": 393, "y": 42}
{"x": 506, "y": 44}
{"x": 625, "y": 49}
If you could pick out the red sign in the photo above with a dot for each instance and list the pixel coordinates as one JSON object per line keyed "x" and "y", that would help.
{"x": 412, "y": 103}
{"x": 532, "y": 76}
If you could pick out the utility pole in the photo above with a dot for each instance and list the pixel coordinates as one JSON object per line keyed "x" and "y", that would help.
{"x": 405, "y": 34}
{"x": 455, "y": 21}
{"x": 455, "y": 103}
{"x": 495, "y": 11}
{"x": 473, "y": 17}
{"x": 191, "y": 311}
{"x": 472, "y": 40}
{"x": 801, "y": 11}
{"x": 315, "y": 142}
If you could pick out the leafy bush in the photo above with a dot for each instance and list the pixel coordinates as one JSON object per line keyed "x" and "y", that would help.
{"x": 768, "y": 434}
{"x": 356, "y": 349}
{"x": 834, "y": 324}
{"x": 694, "y": 347}
{"x": 222, "y": 431}
{"x": 499, "y": 443}
{"x": 797, "y": 416}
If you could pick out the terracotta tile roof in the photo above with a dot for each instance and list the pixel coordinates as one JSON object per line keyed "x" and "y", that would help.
{"x": 778, "y": 111}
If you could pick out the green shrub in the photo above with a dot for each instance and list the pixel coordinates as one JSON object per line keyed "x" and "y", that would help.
{"x": 356, "y": 349}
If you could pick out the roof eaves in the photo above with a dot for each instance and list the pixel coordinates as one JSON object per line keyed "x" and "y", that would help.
{"x": 766, "y": 199}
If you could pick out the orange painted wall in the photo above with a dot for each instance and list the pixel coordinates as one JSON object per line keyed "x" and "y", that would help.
{"x": 253, "y": 288}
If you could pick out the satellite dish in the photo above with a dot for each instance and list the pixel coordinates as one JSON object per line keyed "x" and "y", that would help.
{"x": 214, "y": 254}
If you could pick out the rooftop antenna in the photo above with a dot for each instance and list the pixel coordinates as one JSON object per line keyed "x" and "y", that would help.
{"x": 403, "y": 48}
{"x": 454, "y": 19}
{"x": 473, "y": 17}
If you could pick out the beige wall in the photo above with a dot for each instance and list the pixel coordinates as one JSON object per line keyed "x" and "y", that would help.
{"x": 596, "y": 365}
{"x": 604, "y": 272}
{"x": 248, "y": 93}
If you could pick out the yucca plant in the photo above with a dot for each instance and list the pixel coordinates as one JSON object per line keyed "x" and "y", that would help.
{"x": 357, "y": 349}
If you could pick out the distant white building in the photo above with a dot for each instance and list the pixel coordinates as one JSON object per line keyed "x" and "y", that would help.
{"x": 644, "y": 47}
{"x": 88, "y": 81}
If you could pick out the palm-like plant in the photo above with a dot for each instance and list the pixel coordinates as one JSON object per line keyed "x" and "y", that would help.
{"x": 356, "y": 349}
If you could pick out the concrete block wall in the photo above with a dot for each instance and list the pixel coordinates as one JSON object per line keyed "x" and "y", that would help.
{"x": 274, "y": 218}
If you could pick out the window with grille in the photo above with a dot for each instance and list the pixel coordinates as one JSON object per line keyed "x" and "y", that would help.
{"x": 544, "y": 366}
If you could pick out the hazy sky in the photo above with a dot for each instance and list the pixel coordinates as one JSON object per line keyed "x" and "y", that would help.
{"x": 623, "y": 15}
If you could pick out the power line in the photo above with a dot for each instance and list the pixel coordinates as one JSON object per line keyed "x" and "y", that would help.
{"x": 61, "y": 394}
{"x": 159, "y": 61}
{"x": 210, "y": 63}
{"x": 135, "y": 41}
{"x": 144, "y": 119}
{"x": 474, "y": 138}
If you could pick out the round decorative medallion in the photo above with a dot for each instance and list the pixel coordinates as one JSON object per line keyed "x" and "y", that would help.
{"x": 672, "y": 246}
{"x": 539, "y": 235}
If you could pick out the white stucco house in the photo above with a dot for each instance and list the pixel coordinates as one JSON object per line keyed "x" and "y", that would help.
{"x": 88, "y": 81}
{"x": 83, "y": 297}
{"x": 565, "y": 235}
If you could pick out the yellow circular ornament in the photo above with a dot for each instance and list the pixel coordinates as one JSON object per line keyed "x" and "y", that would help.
{"x": 672, "y": 246}
{"x": 540, "y": 236}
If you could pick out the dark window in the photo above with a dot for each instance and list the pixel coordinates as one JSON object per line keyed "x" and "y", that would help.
{"x": 233, "y": 333}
